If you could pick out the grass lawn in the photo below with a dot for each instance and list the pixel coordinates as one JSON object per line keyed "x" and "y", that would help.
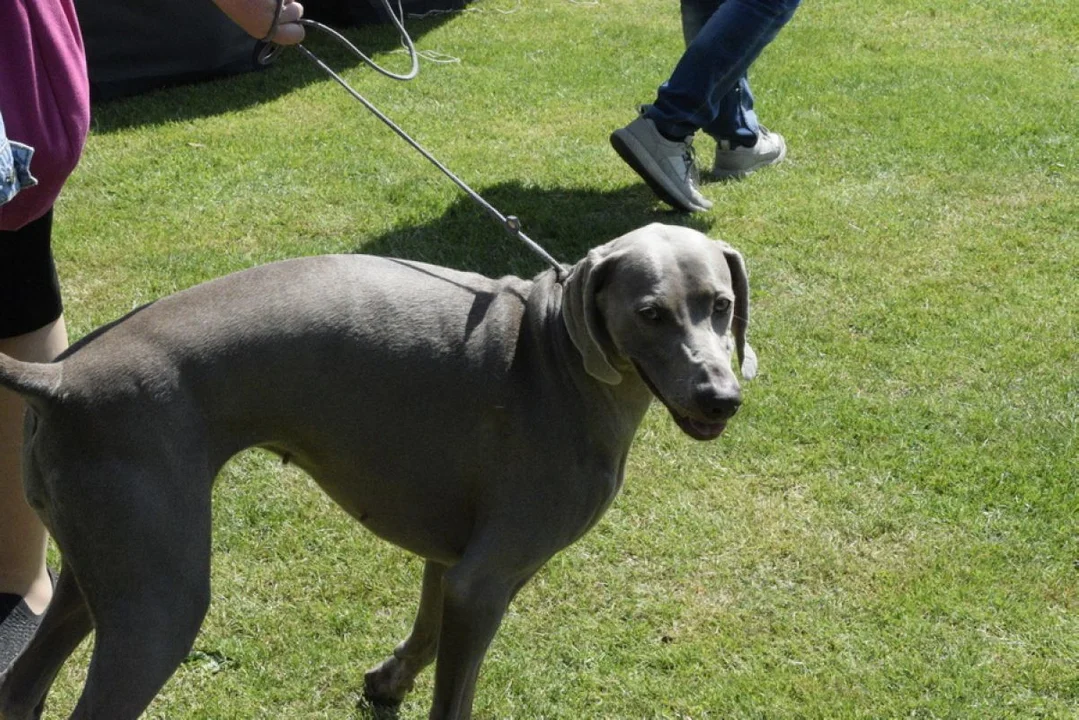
{"x": 890, "y": 528}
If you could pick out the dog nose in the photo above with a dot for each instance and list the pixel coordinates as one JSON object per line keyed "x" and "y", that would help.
{"x": 719, "y": 404}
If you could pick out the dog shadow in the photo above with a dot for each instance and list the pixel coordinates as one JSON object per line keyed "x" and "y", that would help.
{"x": 566, "y": 222}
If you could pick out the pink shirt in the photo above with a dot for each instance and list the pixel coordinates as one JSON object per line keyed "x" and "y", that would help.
{"x": 44, "y": 97}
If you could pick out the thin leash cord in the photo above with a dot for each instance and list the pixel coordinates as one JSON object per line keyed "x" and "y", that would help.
{"x": 509, "y": 223}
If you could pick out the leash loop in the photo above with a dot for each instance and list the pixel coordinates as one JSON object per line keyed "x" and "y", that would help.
{"x": 276, "y": 21}
{"x": 511, "y": 224}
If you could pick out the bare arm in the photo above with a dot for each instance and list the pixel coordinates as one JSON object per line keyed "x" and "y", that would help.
{"x": 256, "y": 16}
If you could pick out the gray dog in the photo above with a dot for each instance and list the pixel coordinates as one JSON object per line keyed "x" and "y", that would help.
{"x": 481, "y": 424}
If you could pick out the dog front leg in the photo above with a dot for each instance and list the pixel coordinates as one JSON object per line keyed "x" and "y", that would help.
{"x": 475, "y": 600}
{"x": 388, "y": 683}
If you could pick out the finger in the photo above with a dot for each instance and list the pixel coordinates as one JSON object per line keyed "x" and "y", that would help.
{"x": 289, "y": 34}
{"x": 291, "y": 12}
{"x": 288, "y": 31}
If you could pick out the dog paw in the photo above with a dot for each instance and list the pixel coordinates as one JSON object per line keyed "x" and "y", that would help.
{"x": 388, "y": 683}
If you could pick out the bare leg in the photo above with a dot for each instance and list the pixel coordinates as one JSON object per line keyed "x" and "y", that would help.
{"x": 24, "y": 687}
{"x": 393, "y": 678}
{"x": 22, "y": 536}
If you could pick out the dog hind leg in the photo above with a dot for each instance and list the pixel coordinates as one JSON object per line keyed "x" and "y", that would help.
{"x": 66, "y": 623}
{"x": 143, "y": 559}
{"x": 141, "y": 638}
{"x": 388, "y": 682}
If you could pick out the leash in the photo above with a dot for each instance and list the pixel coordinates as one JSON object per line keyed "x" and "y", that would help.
{"x": 510, "y": 223}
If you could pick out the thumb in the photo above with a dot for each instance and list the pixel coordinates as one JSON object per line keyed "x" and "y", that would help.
{"x": 289, "y": 32}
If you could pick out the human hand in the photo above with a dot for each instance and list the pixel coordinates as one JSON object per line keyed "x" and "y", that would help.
{"x": 256, "y": 17}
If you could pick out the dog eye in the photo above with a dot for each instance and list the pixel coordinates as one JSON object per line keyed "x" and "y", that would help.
{"x": 722, "y": 306}
{"x": 649, "y": 313}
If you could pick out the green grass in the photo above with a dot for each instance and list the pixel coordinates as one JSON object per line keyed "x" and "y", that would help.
{"x": 891, "y": 526}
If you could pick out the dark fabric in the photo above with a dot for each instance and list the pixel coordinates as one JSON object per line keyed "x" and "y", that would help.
{"x": 137, "y": 45}
{"x": 371, "y": 12}
{"x": 29, "y": 287}
{"x": 133, "y": 46}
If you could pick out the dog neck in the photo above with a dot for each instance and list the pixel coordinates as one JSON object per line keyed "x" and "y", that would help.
{"x": 616, "y": 409}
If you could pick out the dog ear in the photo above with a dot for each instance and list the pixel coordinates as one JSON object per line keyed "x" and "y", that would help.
{"x": 583, "y": 319}
{"x": 747, "y": 359}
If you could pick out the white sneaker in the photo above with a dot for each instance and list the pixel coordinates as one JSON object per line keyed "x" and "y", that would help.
{"x": 737, "y": 162}
{"x": 668, "y": 166}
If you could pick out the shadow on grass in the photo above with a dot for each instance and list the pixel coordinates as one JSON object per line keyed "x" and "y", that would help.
{"x": 291, "y": 70}
{"x": 566, "y": 222}
{"x": 366, "y": 710}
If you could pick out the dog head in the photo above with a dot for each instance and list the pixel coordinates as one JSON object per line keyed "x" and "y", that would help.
{"x": 673, "y": 306}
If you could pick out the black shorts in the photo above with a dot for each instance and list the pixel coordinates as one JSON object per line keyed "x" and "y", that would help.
{"x": 29, "y": 287}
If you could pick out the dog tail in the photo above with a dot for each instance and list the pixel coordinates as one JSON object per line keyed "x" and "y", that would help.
{"x": 34, "y": 381}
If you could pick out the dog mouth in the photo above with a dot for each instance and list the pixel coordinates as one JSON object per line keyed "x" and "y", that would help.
{"x": 695, "y": 428}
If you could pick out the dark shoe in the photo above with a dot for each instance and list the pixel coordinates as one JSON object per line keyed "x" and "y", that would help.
{"x": 18, "y": 623}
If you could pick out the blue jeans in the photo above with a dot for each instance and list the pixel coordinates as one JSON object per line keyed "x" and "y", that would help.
{"x": 708, "y": 89}
{"x": 14, "y": 166}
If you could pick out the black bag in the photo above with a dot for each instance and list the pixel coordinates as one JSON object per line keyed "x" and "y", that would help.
{"x": 133, "y": 46}
{"x": 137, "y": 45}
{"x": 342, "y": 13}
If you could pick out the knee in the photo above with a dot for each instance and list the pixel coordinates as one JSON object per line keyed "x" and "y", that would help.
{"x": 787, "y": 7}
{"x": 778, "y": 8}
{"x": 419, "y": 647}
{"x": 476, "y": 589}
